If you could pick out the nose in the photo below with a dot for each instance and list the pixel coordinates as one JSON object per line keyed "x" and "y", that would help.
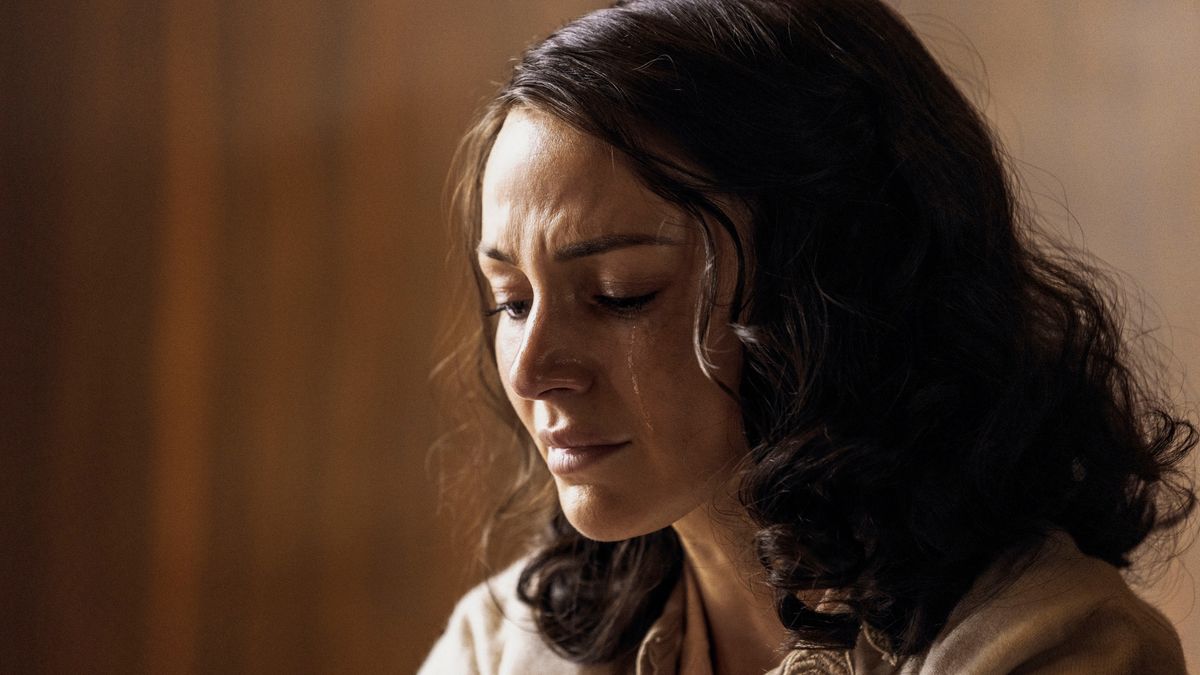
{"x": 549, "y": 359}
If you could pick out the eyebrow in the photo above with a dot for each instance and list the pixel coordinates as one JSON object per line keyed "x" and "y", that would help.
{"x": 582, "y": 249}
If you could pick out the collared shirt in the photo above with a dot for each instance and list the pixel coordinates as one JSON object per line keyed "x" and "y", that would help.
{"x": 1064, "y": 612}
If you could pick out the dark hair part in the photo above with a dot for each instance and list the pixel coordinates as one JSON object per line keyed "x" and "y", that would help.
{"x": 924, "y": 386}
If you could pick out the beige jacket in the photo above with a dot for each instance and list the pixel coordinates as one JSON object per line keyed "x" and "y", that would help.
{"x": 1064, "y": 613}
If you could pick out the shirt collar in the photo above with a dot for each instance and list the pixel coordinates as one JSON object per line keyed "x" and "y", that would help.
{"x": 678, "y": 641}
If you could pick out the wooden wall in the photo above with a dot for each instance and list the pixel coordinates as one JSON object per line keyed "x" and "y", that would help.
{"x": 221, "y": 270}
{"x": 221, "y": 264}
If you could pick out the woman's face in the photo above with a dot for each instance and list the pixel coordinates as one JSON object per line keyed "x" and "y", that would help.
{"x": 595, "y": 281}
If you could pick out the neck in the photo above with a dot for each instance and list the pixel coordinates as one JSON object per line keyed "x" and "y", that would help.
{"x": 743, "y": 629}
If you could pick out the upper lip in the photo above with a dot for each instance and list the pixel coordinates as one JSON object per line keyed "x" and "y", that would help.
{"x": 571, "y": 437}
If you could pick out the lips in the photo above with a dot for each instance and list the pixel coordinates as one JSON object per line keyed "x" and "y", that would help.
{"x": 574, "y": 437}
{"x": 569, "y": 449}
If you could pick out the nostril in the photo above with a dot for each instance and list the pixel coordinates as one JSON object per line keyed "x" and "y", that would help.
{"x": 550, "y": 377}
{"x": 544, "y": 373}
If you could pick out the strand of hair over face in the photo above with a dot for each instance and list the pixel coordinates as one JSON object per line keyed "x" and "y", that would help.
{"x": 925, "y": 386}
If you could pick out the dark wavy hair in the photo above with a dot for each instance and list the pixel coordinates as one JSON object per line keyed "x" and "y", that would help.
{"x": 925, "y": 385}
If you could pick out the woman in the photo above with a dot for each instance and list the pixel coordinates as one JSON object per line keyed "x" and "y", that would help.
{"x": 758, "y": 298}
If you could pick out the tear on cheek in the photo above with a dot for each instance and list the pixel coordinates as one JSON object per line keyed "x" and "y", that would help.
{"x": 633, "y": 379}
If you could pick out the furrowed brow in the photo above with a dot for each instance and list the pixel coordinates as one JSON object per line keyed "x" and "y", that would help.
{"x": 495, "y": 254}
{"x": 611, "y": 242}
{"x": 589, "y": 247}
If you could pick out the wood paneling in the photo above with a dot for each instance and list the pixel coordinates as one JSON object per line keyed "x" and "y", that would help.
{"x": 221, "y": 273}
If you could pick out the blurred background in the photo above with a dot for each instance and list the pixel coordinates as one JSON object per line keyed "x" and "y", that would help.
{"x": 221, "y": 270}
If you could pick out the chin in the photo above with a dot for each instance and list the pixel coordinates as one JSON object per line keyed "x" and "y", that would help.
{"x": 602, "y": 516}
{"x": 598, "y": 516}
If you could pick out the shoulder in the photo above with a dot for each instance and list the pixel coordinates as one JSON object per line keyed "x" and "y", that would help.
{"x": 1062, "y": 612}
{"x": 491, "y": 632}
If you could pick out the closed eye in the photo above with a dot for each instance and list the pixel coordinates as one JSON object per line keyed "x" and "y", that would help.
{"x": 625, "y": 305}
{"x": 622, "y": 305}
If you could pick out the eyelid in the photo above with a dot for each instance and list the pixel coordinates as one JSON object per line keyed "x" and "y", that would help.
{"x": 497, "y": 272}
{"x": 625, "y": 305}
{"x": 509, "y": 308}
{"x": 627, "y": 289}
{"x": 506, "y": 285}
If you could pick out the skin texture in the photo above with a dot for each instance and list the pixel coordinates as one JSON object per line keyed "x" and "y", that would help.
{"x": 575, "y": 361}
{"x": 569, "y": 359}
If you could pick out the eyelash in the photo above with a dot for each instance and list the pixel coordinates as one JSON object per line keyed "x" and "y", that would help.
{"x": 623, "y": 306}
{"x": 507, "y": 307}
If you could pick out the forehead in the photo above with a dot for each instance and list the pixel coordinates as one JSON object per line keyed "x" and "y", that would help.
{"x": 547, "y": 184}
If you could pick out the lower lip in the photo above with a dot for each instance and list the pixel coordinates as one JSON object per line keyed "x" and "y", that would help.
{"x": 565, "y": 461}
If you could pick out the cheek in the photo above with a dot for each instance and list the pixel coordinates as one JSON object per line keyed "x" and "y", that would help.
{"x": 679, "y": 403}
{"x": 506, "y": 345}
{"x": 665, "y": 377}
{"x": 503, "y": 346}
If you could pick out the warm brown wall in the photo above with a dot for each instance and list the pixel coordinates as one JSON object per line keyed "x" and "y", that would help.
{"x": 220, "y": 268}
{"x": 221, "y": 261}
